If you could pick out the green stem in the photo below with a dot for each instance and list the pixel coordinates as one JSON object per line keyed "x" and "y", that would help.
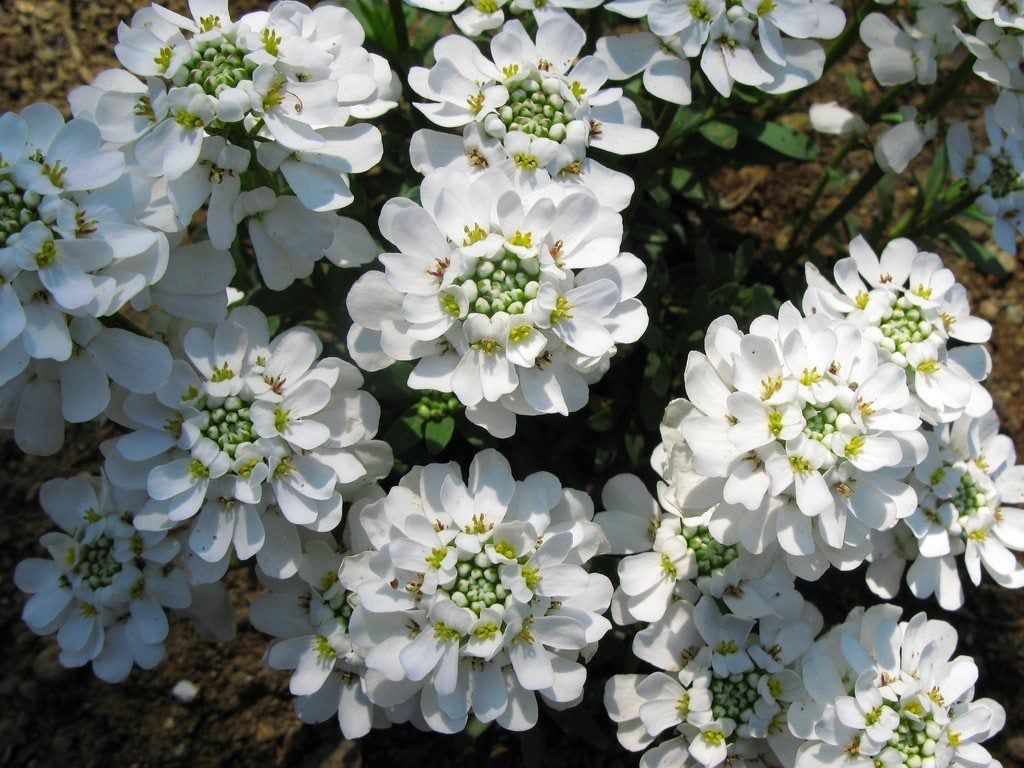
{"x": 402, "y": 42}
{"x": 912, "y": 227}
{"x": 933, "y": 104}
{"x": 851, "y": 142}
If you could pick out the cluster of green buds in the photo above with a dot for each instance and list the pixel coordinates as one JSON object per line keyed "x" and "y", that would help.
{"x": 1005, "y": 178}
{"x": 477, "y": 585}
{"x": 735, "y": 695}
{"x": 95, "y": 563}
{"x": 970, "y": 500}
{"x": 227, "y": 422}
{"x": 903, "y": 324}
{"x": 822, "y": 423}
{"x": 916, "y": 739}
{"x": 17, "y": 210}
{"x": 503, "y": 283}
{"x": 536, "y": 106}
{"x": 215, "y": 65}
{"x": 711, "y": 555}
{"x": 436, "y": 406}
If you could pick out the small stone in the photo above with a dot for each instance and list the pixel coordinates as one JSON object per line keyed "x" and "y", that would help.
{"x": 1015, "y": 314}
{"x": 988, "y": 309}
{"x": 47, "y": 667}
{"x": 185, "y": 691}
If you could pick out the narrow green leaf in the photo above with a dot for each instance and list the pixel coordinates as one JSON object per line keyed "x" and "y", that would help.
{"x": 438, "y": 434}
{"x": 781, "y": 139}
{"x": 720, "y": 134}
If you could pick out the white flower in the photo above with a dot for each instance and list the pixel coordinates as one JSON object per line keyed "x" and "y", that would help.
{"x": 836, "y": 120}
{"x": 310, "y": 614}
{"x": 900, "y": 144}
{"x": 479, "y": 16}
{"x": 250, "y": 437}
{"x": 290, "y": 80}
{"x": 489, "y": 575}
{"x": 794, "y": 433}
{"x": 911, "y": 307}
{"x": 883, "y": 691}
{"x": 106, "y": 586}
{"x": 723, "y": 688}
{"x": 514, "y": 299}
{"x": 963, "y": 487}
{"x": 909, "y": 52}
{"x": 770, "y": 46}
{"x": 535, "y": 89}
{"x": 71, "y": 250}
{"x": 996, "y": 173}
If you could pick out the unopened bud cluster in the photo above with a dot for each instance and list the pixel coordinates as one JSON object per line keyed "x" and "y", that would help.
{"x": 503, "y": 283}
{"x": 535, "y": 107}
{"x": 18, "y": 209}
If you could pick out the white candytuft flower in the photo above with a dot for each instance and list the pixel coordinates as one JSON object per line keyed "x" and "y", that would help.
{"x": 475, "y": 17}
{"x": 106, "y": 587}
{"x": 309, "y": 614}
{"x": 489, "y": 577}
{"x": 668, "y": 560}
{"x": 795, "y": 433}
{"x": 880, "y": 691}
{"x": 996, "y": 173}
{"x": 723, "y": 688}
{"x": 512, "y": 298}
{"x": 963, "y": 487}
{"x": 539, "y": 108}
{"x": 71, "y": 251}
{"x": 771, "y": 46}
{"x": 200, "y": 94}
{"x": 249, "y": 438}
{"x": 912, "y": 308}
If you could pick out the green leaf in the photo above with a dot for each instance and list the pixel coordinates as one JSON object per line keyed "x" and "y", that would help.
{"x": 296, "y": 297}
{"x": 404, "y": 433}
{"x": 720, "y": 134}
{"x": 964, "y": 244}
{"x": 781, "y": 139}
{"x": 438, "y": 434}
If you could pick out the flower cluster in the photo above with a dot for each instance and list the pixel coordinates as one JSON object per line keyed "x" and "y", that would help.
{"x": 724, "y": 686}
{"x": 771, "y": 46}
{"x": 473, "y": 597}
{"x": 512, "y": 298}
{"x": 533, "y": 108}
{"x": 962, "y": 486}
{"x": 72, "y": 253}
{"x": 249, "y": 438}
{"x": 106, "y": 586}
{"x": 198, "y": 95}
{"x": 480, "y": 16}
{"x": 880, "y": 691}
{"x": 995, "y": 174}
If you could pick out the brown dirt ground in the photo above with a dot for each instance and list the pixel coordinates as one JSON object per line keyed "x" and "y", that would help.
{"x": 51, "y": 717}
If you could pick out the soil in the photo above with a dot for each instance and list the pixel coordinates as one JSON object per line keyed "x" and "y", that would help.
{"x": 52, "y": 717}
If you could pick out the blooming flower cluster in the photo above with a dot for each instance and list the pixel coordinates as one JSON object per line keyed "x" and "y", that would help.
{"x": 880, "y": 691}
{"x": 72, "y": 253}
{"x": 198, "y": 94}
{"x": 473, "y": 597}
{"x": 723, "y": 689}
{"x": 771, "y": 46}
{"x": 969, "y": 475}
{"x": 533, "y": 107}
{"x": 106, "y": 586}
{"x": 512, "y": 298}
{"x": 248, "y": 439}
{"x": 478, "y": 16}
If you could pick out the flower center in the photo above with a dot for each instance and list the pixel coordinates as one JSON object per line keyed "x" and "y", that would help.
{"x": 536, "y": 107}
{"x": 216, "y": 65}
{"x": 504, "y": 283}
{"x": 227, "y": 423}
{"x": 734, "y": 696}
{"x": 18, "y": 209}
{"x": 96, "y": 564}
{"x": 903, "y": 324}
{"x": 821, "y": 422}
{"x": 477, "y": 585}
{"x": 969, "y": 500}
{"x": 710, "y": 554}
